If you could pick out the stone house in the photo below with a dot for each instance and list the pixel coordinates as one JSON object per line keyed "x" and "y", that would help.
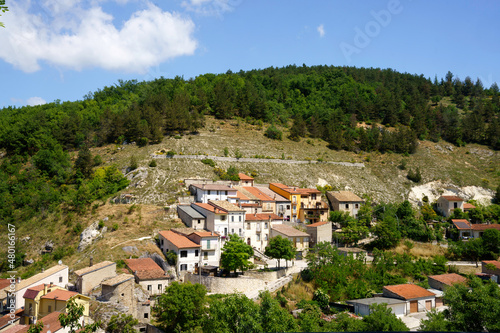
{"x": 491, "y": 267}
{"x": 299, "y": 239}
{"x": 345, "y": 201}
{"x": 447, "y": 203}
{"x": 417, "y": 298}
{"x": 443, "y": 281}
{"x": 120, "y": 289}
{"x": 245, "y": 180}
{"x": 319, "y": 232}
{"x": 90, "y": 277}
{"x": 149, "y": 275}
{"x": 191, "y": 217}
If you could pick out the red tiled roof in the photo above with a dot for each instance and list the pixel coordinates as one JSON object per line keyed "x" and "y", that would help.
{"x": 468, "y": 206}
{"x": 492, "y": 262}
{"x": 145, "y": 268}
{"x": 4, "y": 283}
{"x": 244, "y": 177}
{"x": 289, "y": 231}
{"x": 308, "y": 191}
{"x": 258, "y": 193}
{"x": 7, "y": 318}
{"x": 317, "y": 224}
{"x": 262, "y": 217}
{"x": 241, "y": 196}
{"x": 482, "y": 227}
{"x": 60, "y": 295}
{"x": 409, "y": 291}
{"x": 286, "y": 188}
{"x": 50, "y": 323}
{"x": 210, "y": 208}
{"x": 452, "y": 198}
{"x": 179, "y": 241}
{"x": 461, "y": 224}
{"x": 449, "y": 279}
{"x": 205, "y": 233}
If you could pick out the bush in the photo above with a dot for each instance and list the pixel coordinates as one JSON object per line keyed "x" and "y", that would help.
{"x": 142, "y": 142}
{"x": 415, "y": 177}
{"x": 208, "y": 161}
{"x": 226, "y": 151}
{"x": 133, "y": 163}
{"x": 152, "y": 164}
{"x": 171, "y": 153}
{"x": 273, "y": 133}
{"x": 77, "y": 229}
{"x": 115, "y": 226}
{"x": 101, "y": 224}
{"x": 97, "y": 160}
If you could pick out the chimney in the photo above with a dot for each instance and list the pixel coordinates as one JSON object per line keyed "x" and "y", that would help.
{"x": 45, "y": 289}
{"x": 91, "y": 261}
{"x": 19, "y": 280}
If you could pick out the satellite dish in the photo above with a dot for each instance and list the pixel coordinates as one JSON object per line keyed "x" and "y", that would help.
{"x": 60, "y": 262}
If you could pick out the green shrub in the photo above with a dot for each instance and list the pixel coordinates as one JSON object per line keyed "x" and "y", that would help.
{"x": 133, "y": 163}
{"x": 97, "y": 160}
{"x": 226, "y": 151}
{"x": 101, "y": 224}
{"x": 152, "y": 164}
{"x": 77, "y": 229}
{"x": 115, "y": 226}
{"x": 273, "y": 133}
{"x": 171, "y": 153}
{"x": 209, "y": 162}
{"x": 142, "y": 142}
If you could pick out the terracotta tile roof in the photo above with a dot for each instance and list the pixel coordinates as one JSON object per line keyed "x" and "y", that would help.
{"x": 461, "y": 224}
{"x": 36, "y": 278}
{"x": 179, "y": 241}
{"x": 409, "y": 291}
{"x": 32, "y": 293}
{"x": 4, "y": 321}
{"x": 240, "y": 195}
{"x": 250, "y": 205}
{"x": 93, "y": 268}
{"x": 50, "y": 323}
{"x": 205, "y": 233}
{"x": 291, "y": 190}
{"x": 492, "y": 262}
{"x": 60, "y": 294}
{"x": 270, "y": 193}
{"x": 289, "y": 231}
{"x": 210, "y": 208}
{"x": 482, "y": 227}
{"x": 258, "y": 194}
{"x": 117, "y": 280}
{"x": 225, "y": 205}
{"x": 145, "y": 268}
{"x": 308, "y": 191}
{"x": 262, "y": 217}
{"x": 212, "y": 187}
{"x": 468, "y": 206}
{"x": 317, "y": 224}
{"x": 244, "y": 177}
{"x": 4, "y": 283}
{"x": 345, "y": 196}
{"x": 449, "y": 279}
{"x": 16, "y": 329}
{"x": 452, "y": 198}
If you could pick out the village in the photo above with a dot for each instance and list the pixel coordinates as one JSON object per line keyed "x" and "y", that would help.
{"x": 256, "y": 213}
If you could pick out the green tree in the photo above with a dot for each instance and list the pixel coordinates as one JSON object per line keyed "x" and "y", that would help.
{"x": 342, "y": 218}
{"x": 365, "y": 214}
{"x": 298, "y": 129}
{"x": 84, "y": 162}
{"x": 233, "y": 313}
{"x": 280, "y": 248}
{"x": 273, "y": 317}
{"x": 383, "y": 319}
{"x": 54, "y": 162}
{"x": 353, "y": 233}
{"x": 386, "y": 233}
{"x": 36, "y": 328}
{"x": 435, "y": 322}
{"x": 491, "y": 243}
{"x": 273, "y": 133}
{"x": 181, "y": 307}
{"x": 235, "y": 254}
{"x": 122, "y": 324}
{"x": 71, "y": 319}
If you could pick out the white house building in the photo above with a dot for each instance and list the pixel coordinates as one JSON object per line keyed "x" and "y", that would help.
{"x": 205, "y": 192}
{"x": 447, "y": 203}
{"x": 417, "y": 298}
{"x": 258, "y": 229}
{"x": 223, "y": 217}
{"x": 187, "y": 251}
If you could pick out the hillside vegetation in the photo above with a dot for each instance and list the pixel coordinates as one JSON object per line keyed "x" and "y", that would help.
{"x": 63, "y": 161}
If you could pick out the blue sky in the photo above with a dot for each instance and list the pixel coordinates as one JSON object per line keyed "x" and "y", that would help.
{"x": 62, "y": 49}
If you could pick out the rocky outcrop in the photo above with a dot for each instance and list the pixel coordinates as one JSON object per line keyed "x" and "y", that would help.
{"x": 90, "y": 234}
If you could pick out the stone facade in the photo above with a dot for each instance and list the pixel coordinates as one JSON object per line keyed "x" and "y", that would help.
{"x": 120, "y": 289}
{"x": 90, "y": 277}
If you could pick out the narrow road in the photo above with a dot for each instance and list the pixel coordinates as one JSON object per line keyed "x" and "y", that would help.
{"x": 256, "y": 160}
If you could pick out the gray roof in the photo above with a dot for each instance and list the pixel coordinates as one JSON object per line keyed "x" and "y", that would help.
{"x": 193, "y": 213}
{"x": 376, "y": 300}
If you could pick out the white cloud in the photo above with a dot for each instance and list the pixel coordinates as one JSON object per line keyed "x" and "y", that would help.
{"x": 77, "y": 35}
{"x": 211, "y": 7}
{"x": 321, "y": 30}
{"x": 35, "y": 101}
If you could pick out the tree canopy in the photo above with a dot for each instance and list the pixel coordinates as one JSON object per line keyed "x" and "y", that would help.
{"x": 280, "y": 248}
{"x": 235, "y": 254}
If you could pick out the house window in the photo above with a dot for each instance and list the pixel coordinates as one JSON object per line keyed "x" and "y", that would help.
{"x": 356, "y": 206}
{"x": 50, "y": 308}
{"x": 248, "y": 226}
{"x": 232, "y": 231}
{"x": 225, "y": 192}
{"x": 184, "y": 254}
{"x": 195, "y": 253}
{"x": 159, "y": 287}
{"x": 313, "y": 196}
{"x": 150, "y": 287}
{"x": 223, "y": 217}
{"x": 60, "y": 279}
{"x": 287, "y": 206}
{"x": 241, "y": 234}
{"x": 258, "y": 237}
{"x": 225, "y": 231}
{"x": 142, "y": 329}
{"x": 455, "y": 204}
{"x": 239, "y": 218}
{"x": 265, "y": 225}
{"x": 346, "y": 206}
{"x": 162, "y": 242}
{"x": 266, "y": 237}
{"x": 146, "y": 315}
{"x": 232, "y": 218}
{"x": 184, "y": 267}
{"x": 205, "y": 255}
{"x": 199, "y": 221}
{"x": 208, "y": 243}
{"x": 31, "y": 309}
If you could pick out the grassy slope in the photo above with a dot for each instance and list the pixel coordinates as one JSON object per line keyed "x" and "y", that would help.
{"x": 381, "y": 179}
